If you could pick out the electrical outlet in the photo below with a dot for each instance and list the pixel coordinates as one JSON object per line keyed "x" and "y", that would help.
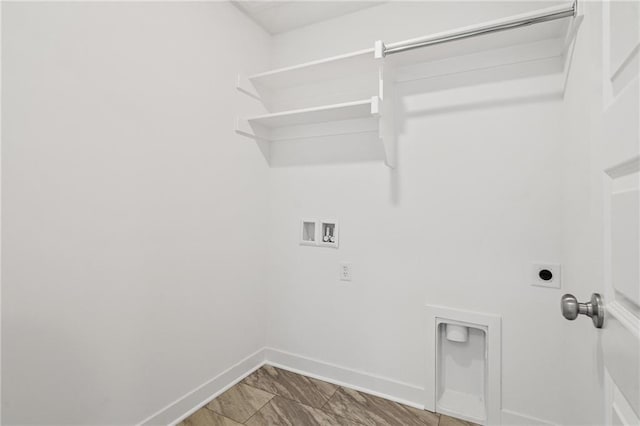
{"x": 545, "y": 275}
{"x": 345, "y": 271}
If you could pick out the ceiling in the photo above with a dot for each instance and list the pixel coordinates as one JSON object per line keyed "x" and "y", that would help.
{"x": 280, "y": 16}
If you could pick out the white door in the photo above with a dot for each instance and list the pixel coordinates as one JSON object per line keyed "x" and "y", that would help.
{"x": 620, "y": 163}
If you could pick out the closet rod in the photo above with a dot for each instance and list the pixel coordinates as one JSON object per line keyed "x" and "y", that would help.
{"x": 542, "y": 16}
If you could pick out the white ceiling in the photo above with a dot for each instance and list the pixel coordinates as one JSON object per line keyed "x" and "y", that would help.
{"x": 280, "y": 16}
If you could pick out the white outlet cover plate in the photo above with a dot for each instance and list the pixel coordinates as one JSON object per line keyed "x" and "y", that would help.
{"x": 345, "y": 271}
{"x": 556, "y": 271}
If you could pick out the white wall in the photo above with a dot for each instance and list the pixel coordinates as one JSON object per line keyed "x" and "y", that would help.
{"x": 133, "y": 227}
{"x": 478, "y": 195}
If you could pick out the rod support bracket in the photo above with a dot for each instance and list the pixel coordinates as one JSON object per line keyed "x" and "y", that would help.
{"x": 379, "y": 51}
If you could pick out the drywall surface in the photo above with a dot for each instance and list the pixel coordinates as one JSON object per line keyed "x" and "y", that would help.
{"x": 133, "y": 236}
{"x": 478, "y": 196}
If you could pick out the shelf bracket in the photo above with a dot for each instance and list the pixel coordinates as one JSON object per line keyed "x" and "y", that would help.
{"x": 386, "y": 123}
{"x": 253, "y": 131}
{"x": 245, "y": 129}
{"x": 245, "y": 86}
{"x": 378, "y": 49}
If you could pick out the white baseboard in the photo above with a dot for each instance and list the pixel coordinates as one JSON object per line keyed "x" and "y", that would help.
{"x": 511, "y": 418}
{"x": 404, "y": 393}
{"x": 195, "y": 399}
{"x": 383, "y": 387}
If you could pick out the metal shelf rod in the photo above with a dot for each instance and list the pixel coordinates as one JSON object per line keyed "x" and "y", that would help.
{"x": 542, "y": 16}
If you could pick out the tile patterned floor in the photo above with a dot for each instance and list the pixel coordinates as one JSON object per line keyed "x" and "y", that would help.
{"x": 272, "y": 396}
